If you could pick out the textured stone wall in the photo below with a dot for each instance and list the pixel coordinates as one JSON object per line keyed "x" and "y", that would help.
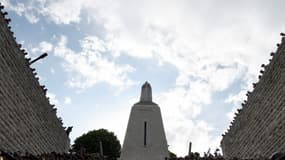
{"x": 259, "y": 127}
{"x": 28, "y": 121}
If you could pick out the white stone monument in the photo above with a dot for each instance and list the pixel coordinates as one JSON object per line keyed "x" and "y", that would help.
{"x": 145, "y": 138}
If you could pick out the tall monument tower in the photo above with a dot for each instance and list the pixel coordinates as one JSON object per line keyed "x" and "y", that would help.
{"x": 145, "y": 138}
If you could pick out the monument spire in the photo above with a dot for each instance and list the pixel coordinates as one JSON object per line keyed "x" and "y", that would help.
{"x": 146, "y": 94}
{"x": 145, "y": 137}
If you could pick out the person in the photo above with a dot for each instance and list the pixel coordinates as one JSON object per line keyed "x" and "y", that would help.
{"x": 278, "y": 156}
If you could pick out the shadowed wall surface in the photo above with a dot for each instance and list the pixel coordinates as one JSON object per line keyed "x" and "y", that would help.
{"x": 28, "y": 121}
{"x": 259, "y": 127}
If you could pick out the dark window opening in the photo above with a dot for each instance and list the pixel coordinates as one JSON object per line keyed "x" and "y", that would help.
{"x": 145, "y": 133}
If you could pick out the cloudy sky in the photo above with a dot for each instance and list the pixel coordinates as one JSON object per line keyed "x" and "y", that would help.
{"x": 199, "y": 56}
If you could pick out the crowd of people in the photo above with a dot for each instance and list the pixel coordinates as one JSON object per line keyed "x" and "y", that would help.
{"x": 49, "y": 156}
{"x": 85, "y": 156}
{"x": 217, "y": 156}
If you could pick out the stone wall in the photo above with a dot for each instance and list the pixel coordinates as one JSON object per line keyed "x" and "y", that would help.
{"x": 259, "y": 127}
{"x": 28, "y": 121}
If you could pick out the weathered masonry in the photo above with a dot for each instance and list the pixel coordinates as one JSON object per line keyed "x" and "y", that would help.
{"x": 28, "y": 121}
{"x": 258, "y": 130}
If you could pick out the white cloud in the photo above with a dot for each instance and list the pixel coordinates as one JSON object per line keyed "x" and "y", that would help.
{"x": 45, "y": 46}
{"x": 180, "y": 107}
{"x": 90, "y": 66}
{"x": 209, "y": 48}
{"x": 52, "y": 71}
{"x": 63, "y": 12}
{"x": 32, "y": 18}
{"x": 191, "y": 42}
{"x": 28, "y": 11}
{"x": 60, "y": 12}
{"x": 235, "y": 100}
{"x": 67, "y": 100}
{"x": 53, "y": 98}
{"x": 35, "y": 51}
{"x": 42, "y": 80}
{"x": 42, "y": 47}
{"x": 197, "y": 132}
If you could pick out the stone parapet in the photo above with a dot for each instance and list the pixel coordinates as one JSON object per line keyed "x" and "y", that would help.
{"x": 28, "y": 121}
{"x": 258, "y": 130}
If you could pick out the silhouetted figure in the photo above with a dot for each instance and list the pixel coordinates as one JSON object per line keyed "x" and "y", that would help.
{"x": 278, "y": 156}
{"x": 68, "y": 130}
